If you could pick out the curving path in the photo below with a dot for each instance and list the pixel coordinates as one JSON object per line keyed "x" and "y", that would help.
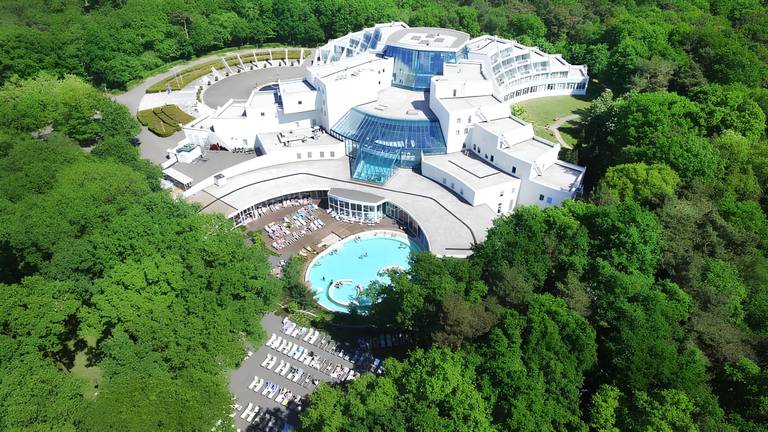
{"x": 554, "y": 127}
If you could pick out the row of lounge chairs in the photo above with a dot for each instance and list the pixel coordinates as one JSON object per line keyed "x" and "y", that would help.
{"x": 254, "y": 213}
{"x": 352, "y": 220}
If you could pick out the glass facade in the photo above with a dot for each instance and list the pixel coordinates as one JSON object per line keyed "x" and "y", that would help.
{"x": 377, "y": 145}
{"x": 413, "y": 69}
{"x": 356, "y": 210}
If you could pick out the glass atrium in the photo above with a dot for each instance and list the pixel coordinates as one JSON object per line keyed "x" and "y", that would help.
{"x": 414, "y": 68}
{"x": 377, "y": 145}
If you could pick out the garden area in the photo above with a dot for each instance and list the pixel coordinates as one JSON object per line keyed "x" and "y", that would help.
{"x": 164, "y": 121}
{"x": 188, "y": 75}
{"x": 544, "y": 113}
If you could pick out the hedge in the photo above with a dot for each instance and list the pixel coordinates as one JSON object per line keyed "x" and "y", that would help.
{"x": 164, "y": 121}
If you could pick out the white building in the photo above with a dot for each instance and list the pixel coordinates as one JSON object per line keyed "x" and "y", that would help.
{"x": 429, "y": 99}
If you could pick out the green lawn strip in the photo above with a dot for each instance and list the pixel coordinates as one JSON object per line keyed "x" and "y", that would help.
{"x": 90, "y": 374}
{"x": 190, "y": 74}
{"x": 544, "y": 111}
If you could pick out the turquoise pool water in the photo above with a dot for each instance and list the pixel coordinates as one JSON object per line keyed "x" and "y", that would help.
{"x": 336, "y": 276}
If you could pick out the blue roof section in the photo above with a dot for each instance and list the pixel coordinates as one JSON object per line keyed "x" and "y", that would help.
{"x": 379, "y": 144}
{"x": 365, "y": 128}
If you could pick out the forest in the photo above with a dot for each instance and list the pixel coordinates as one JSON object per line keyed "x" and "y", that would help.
{"x": 641, "y": 306}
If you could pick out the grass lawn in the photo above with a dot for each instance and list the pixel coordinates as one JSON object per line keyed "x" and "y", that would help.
{"x": 544, "y": 111}
{"x": 91, "y": 375}
{"x": 569, "y": 131}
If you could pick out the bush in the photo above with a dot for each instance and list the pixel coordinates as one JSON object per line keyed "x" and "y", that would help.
{"x": 164, "y": 121}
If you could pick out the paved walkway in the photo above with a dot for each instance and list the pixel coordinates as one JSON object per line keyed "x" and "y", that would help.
{"x": 451, "y": 225}
{"x": 554, "y": 127}
{"x": 330, "y": 225}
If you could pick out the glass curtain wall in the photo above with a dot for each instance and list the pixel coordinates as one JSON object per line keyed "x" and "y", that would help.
{"x": 413, "y": 69}
{"x": 379, "y": 144}
{"x": 356, "y": 210}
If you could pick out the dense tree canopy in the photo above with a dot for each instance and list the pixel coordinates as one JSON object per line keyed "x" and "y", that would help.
{"x": 640, "y": 306}
{"x": 104, "y": 271}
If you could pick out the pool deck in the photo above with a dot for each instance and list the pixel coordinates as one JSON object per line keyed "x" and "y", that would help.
{"x": 451, "y": 225}
{"x": 342, "y": 229}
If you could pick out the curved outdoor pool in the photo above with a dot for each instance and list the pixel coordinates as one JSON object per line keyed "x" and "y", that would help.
{"x": 339, "y": 272}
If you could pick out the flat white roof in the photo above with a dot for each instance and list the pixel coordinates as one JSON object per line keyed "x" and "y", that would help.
{"x": 428, "y": 39}
{"x": 470, "y": 169}
{"x": 503, "y": 125}
{"x": 561, "y": 175}
{"x": 294, "y": 86}
{"x": 178, "y": 176}
{"x": 463, "y": 71}
{"x": 528, "y": 150}
{"x": 459, "y": 103}
{"x": 347, "y": 64}
{"x": 356, "y": 196}
{"x": 261, "y": 98}
{"x": 399, "y": 103}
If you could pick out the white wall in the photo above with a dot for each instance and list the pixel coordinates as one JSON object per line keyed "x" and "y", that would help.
{"x": 274, "y": 158}
{"x": 339, "y": 92}
{"x": 298, "y": 102}
{"x": 503, "y": 193}
{"x": 531, "y": 191}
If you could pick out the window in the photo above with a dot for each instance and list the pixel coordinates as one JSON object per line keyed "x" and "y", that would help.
{"x": 498, "y": 209}
{"x": 458, "y": 132}
{"x": 322, "y": 154}
{"x": 466, "y": 130}
{"x": 541, "y": 197}
{"x": 501, "y": 194}
{"x": 486, "y": 155}
{"x": 453, "y": 186}
{"x": 300, "y": 102}
{"x": 454, "y": 92}
{"x": 262, "y": 114}
{"x": 491, "y": 158}
{"x": 298, "y": 155}
{"x": 309, "y": 155}
{"x": 514, "y": 169}
{"x": 458, "y": 119}
{"x": 444, "y": 182}
{"x": 333, "y": 154}
{"x": 549, "y": 200}
{"x": 461, "y": 191}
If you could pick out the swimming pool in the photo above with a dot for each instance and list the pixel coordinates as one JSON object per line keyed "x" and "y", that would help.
{"x": 337, "y": 274}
